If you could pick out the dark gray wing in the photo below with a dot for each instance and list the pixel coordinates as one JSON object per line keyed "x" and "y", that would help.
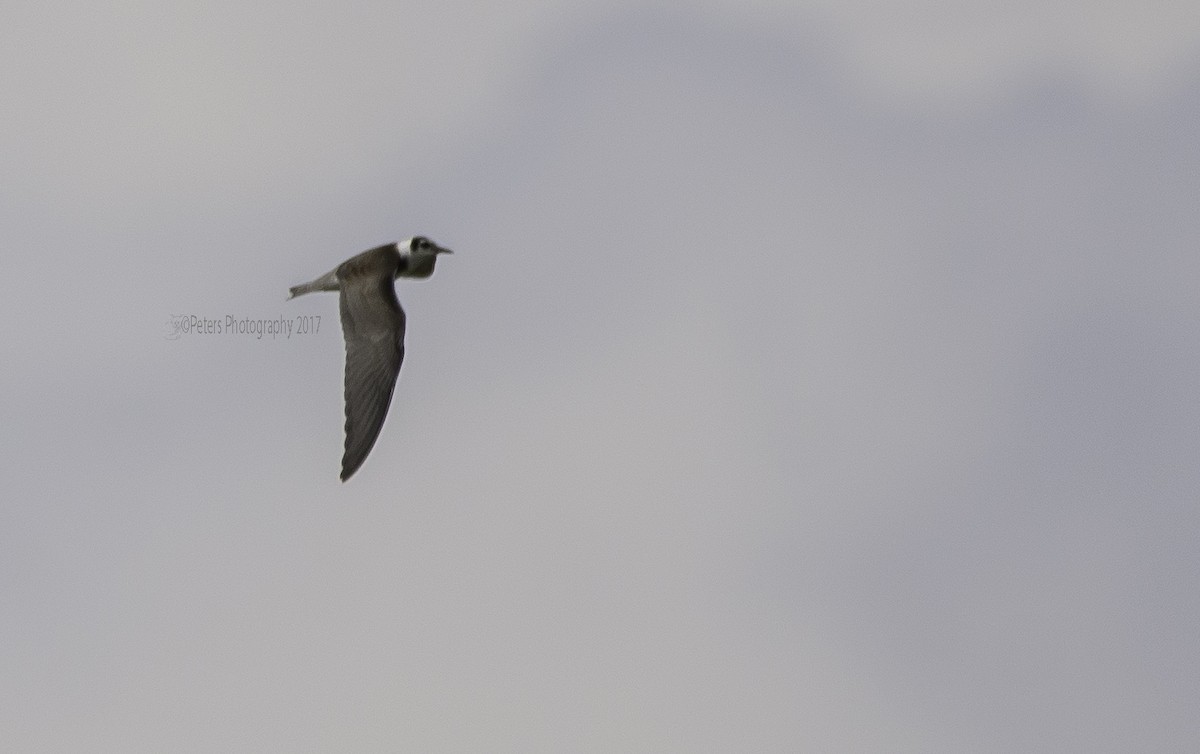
{"x": 373, "y": 326}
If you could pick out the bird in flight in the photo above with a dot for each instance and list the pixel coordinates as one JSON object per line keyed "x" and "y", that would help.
{"x": 373, "y": 326}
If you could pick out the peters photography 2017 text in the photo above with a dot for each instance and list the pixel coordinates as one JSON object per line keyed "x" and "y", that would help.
{"x": 180, "y": 325}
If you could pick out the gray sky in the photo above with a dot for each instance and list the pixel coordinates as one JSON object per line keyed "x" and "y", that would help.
{"x": 808, "y": 377}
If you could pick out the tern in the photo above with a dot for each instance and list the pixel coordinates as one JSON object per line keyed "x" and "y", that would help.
{"x": 373, "y": 326}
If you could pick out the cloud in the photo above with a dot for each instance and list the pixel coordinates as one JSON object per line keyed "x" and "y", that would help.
{"x": 755, "y": 407}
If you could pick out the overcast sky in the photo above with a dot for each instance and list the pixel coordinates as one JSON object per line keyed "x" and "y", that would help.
{"x": 808, "y": 377}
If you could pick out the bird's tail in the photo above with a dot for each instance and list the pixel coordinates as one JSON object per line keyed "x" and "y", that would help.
{"x": 327, "y": 282}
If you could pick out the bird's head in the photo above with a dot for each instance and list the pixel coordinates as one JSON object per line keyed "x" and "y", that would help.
{"x": 421, "y": 255}
{"x": 422, "y": 246}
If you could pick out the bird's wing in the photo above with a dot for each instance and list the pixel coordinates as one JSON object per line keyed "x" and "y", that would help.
{"x": 373, "y": 326}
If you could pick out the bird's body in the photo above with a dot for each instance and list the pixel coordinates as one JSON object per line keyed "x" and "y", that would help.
{"x": 373, "y": 326}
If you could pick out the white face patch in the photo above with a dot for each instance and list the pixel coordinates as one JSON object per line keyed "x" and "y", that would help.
{"x": 419, "y": 246}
